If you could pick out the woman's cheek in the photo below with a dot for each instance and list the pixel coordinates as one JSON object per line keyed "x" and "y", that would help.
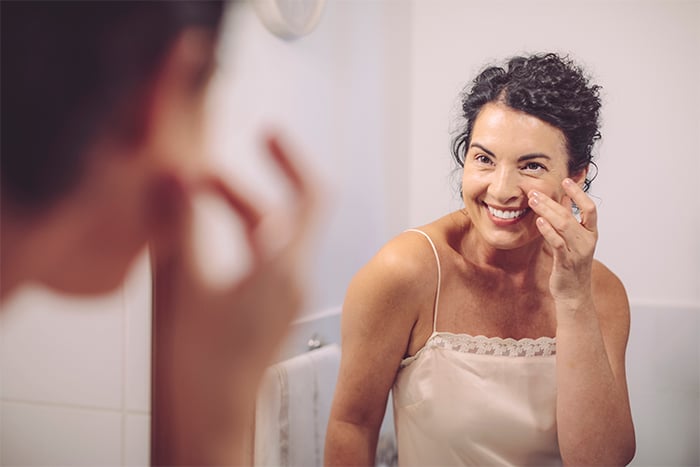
{"x": 547, "y": 187}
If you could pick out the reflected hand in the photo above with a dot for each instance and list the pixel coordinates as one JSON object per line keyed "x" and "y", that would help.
{"x": 572, "y": 242}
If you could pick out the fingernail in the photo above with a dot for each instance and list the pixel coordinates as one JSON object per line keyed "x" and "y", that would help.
{"x": 540, "y": 221}
{"x": 567, "y": 182}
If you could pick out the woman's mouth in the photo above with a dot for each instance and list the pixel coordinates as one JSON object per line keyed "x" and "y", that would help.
{"x": 506, "y": 214}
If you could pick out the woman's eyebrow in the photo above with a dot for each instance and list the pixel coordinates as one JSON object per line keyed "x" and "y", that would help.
{"x": 536, "y": 155}
{"x": 477, "y": 145}
{"x": 526, "y": 157}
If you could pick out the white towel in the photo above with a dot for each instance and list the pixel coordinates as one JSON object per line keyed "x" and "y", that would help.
{"x": 293, "y": 409}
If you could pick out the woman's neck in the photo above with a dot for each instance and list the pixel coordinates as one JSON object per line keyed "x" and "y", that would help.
{"x": 522, "y": 261}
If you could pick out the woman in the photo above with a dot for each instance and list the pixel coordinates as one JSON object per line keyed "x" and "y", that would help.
{"x": 102, "y": 145}
{"x": 501, "y": 336}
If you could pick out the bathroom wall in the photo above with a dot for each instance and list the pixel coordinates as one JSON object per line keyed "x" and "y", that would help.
{"x": 646, "y": 55}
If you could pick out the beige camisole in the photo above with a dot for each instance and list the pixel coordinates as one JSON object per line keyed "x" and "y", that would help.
{"x": 473, "y": 400}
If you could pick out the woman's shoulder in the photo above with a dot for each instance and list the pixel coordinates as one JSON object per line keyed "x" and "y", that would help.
{"x": 605, "y": 282}
{"x": 407, "y": 258}
{"x": 405, "y": 268}
{"x": 610, "y": 296}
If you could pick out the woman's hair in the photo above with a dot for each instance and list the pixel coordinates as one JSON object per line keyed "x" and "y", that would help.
{"x": 69, "y": 71}
{"x": 549, "y": 87}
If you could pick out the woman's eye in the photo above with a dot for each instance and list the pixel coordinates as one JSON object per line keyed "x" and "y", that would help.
{"x": 534, "y": 167}
{"x": 482, "y": 159}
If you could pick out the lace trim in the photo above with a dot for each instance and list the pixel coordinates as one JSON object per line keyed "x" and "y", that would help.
{"x": 481, "y": 345}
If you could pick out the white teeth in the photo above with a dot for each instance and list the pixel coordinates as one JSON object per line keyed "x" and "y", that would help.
{"x": 506, "y": 214}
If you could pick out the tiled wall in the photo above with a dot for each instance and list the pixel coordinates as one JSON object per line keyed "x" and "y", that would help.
{"x": 50, "y": 412}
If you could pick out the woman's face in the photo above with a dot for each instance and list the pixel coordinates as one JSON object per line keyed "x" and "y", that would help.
{"x": 510, "y": 154}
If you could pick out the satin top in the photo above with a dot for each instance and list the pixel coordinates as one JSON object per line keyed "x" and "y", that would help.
{"x": 473, "y": 400}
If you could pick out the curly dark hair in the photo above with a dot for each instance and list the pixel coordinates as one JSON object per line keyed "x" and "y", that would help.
{"x": 549, "y": 87}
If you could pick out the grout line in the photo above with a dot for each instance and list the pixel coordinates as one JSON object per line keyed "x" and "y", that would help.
{"x": 60, "y": 405}
{"x": 125, "y": 341}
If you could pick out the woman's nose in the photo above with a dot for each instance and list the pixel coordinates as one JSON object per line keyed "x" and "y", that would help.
{"x": 504, "y": 186}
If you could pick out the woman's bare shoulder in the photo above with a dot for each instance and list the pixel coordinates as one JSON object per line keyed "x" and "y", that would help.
{"x": 606, "y": 284}
{"x": 405, "y": 262}
{"x": 610, "y": 298}
{"x": 403, "y": 273}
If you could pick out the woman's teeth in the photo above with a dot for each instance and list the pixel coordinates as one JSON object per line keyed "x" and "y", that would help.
{"x": 506, "y": 214}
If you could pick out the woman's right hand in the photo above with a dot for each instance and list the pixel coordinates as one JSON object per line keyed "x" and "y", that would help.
{"x": 212, "y": 343}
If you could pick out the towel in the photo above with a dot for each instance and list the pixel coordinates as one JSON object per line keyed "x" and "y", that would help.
{"x": 293, "y": 408}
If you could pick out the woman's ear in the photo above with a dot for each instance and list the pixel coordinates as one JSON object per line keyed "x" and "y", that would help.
{"x": 580, "y": 177}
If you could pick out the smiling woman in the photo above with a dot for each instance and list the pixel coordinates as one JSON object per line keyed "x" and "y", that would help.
{"x": 502, "y": 338}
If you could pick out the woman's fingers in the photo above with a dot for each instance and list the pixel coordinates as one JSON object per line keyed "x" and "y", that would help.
{"x": 551, "y": 235}
{"x": 559, "y": 226}
{"x": 302, "y": 180}
{"x": 244, "y": 207}
{"x": 589, "y": 216}
{"x": 557, "y": 215}
{"x": 288, "y": 226}
{"x": 250, "y": 214}
{"x": 272, "y": 230}
{"x": 560, "y": 215}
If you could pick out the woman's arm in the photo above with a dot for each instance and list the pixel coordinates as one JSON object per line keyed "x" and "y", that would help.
{"x": 379, "y": 312}
{"x": 593, "y": 412}
{"x": 594, "y": 421}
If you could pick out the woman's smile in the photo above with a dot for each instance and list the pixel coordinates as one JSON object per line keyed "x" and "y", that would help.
{"x": 506, "y": 216}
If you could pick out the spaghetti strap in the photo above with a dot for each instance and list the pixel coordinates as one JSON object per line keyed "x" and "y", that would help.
{"x": 439, "y": 275}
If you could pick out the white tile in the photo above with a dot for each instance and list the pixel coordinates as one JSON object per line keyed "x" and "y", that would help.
{"x": 677, "y": 357}
{"x": 46, "y": 435}
{"x": 664, "y": 385}
{"x": 63, "y": 350}
{"x": 137, "y": 440}
{"x": 137, "y": 299}
{"x": 667, "y": 428}
{"x": 662, "y": 350}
